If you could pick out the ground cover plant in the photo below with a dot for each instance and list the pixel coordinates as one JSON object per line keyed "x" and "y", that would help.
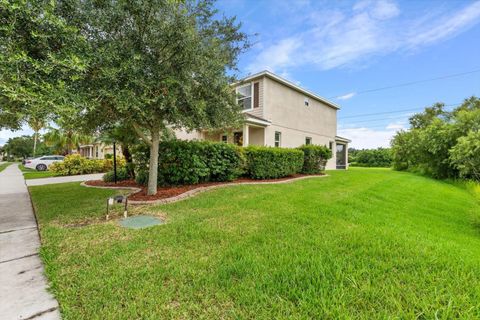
{"x": 363, "y": 243}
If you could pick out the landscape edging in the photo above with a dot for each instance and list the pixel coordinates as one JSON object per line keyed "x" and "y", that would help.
{"x": 193, "y": 192}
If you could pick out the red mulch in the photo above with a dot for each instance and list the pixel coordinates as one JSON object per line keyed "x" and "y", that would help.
{"x": 168, "y": 192}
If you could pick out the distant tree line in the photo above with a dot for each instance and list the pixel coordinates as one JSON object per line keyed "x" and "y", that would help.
{"x": 440, "y": 143}
{"x": 380, "y": 157}
{"x": 22, "y": 147}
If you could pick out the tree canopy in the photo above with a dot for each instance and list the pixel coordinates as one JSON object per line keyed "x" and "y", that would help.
{"x": 441, "y": 143}
{"x": 158, "y": 64}
{"x": 40, "y": 56}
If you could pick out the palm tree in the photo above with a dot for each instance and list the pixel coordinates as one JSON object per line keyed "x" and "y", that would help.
{"x": 36, "y": 123}
{"x": 64, "y": 141}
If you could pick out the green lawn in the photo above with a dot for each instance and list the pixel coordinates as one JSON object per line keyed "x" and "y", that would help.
{"x": 34, "y": 174}
{"x": 363, "y": 244}
{"x": 4, "y": 165}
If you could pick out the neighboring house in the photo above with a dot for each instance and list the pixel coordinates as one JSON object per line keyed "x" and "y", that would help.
{"x": 280, "y": 113}
{"x": 97, "y": 150}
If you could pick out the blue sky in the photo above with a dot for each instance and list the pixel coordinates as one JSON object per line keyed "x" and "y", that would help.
{"x": 340, "y": 48}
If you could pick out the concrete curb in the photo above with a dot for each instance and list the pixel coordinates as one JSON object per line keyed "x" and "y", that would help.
{"x": 194, "y": 192}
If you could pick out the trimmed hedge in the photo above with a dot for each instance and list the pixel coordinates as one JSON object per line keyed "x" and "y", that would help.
{"x": 74, "y": 164}
{"x": 315, "y": 158}
{"x": 191, "y": 162}
{"x": 271, "y": 163}
{"x": 122, "y": 174}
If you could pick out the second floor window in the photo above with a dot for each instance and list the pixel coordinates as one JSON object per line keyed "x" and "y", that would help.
{"x": 306, "y": 101}
{"x": 278, "y": 139}
{"x": 244, "y": 96}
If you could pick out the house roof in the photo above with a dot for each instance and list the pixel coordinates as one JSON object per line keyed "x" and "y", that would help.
{"x": 256, "y": 120}
{"x": 291, "y": 85}
{"x": 342, "y": 139}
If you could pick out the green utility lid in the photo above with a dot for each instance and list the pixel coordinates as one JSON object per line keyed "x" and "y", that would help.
{"x": 140, "y": 222}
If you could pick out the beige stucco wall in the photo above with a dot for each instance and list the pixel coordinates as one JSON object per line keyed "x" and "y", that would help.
{"x": 185, "y": 135}
{"x": 285, "y": 108}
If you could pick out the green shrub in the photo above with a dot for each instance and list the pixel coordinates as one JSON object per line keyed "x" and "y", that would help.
{"x": 76, "y": 164}
{"x": 191, "y": 162}
{"x": 122, "y": 174}
{"x": 271, "y": 163}
{"x": 141, "y": 177}
{"x": 380, "y": 157}
{"x": 314, "y": 158}
{"x": 465, "y": 156}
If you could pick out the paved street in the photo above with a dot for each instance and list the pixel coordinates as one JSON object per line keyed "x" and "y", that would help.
{"x": 23, "y": 286}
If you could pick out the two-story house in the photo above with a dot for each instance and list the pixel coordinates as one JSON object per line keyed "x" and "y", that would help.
{"x": 280, "y": 113}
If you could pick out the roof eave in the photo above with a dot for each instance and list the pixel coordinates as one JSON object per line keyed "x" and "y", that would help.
{"x": 289, "y": 84}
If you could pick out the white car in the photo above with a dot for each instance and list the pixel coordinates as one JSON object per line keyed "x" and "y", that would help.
{"x": 42, "y": 163}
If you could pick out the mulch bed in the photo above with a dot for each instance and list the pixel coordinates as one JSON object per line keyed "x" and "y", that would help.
{"x": 173, "y": 191}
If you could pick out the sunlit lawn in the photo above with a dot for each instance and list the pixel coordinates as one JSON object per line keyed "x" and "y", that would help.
{"x": 34, "y": 174}
{"x": 4, "y": 165}
{"x": 364, "y": 243}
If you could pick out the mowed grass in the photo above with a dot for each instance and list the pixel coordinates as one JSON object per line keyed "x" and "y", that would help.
{"x": 34, "y": 174}
{"x": 4, "y": 165}
{"x": 363, "y": 244}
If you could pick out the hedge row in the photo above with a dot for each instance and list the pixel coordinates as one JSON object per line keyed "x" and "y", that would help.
{"x": 76, "y": 164}
{"x": 315, "y": 158}
{"x": 271, "y": 163}
{"x": 192, "y": 162}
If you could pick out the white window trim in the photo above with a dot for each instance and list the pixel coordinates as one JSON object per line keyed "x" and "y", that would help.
{"x": 279, "y": 139}
{"x": 251, "y": 96}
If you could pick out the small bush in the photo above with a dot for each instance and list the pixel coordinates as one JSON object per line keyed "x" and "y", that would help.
{"x": 314, "y": 158}
{"x": 122, "y": 174}
{"x": 271, "y": 163}
{"x": 75, "y": 164}
{"x": 141, "y": 177}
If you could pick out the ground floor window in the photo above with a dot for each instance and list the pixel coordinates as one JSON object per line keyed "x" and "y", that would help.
{"x": 238, "y": 138}
{"x": 330, "y": 145}
{"x": 278, "y": 139}
{"x": 308, "y": 141}
{"x": 224, "y": 138}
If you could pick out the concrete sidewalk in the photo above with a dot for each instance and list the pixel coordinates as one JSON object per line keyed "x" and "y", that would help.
{"x": 23, "y": 286}
{"x": 53, "y": 180}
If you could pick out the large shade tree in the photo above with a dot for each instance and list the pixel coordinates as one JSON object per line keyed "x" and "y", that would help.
{"x": 158, "y": 64}
{"x": 41, "y": 55}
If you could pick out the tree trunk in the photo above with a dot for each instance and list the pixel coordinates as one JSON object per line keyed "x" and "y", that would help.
{"x": 35, "y": 135}
{"x": 128, "y": 158}
{"x": 153, "y": 166}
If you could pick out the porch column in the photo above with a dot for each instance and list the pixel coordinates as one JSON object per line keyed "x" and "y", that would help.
{"x": 245, "y": 135}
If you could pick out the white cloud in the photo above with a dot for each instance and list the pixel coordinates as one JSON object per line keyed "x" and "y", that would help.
{"x": 279, "y": 54}
{"x": 336, "y": 38}
{"x": 368, "y": 138}
{"x": 346, "y": 96}
{"x": 7, "y": 134}
{"x": 446, "y": 27}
